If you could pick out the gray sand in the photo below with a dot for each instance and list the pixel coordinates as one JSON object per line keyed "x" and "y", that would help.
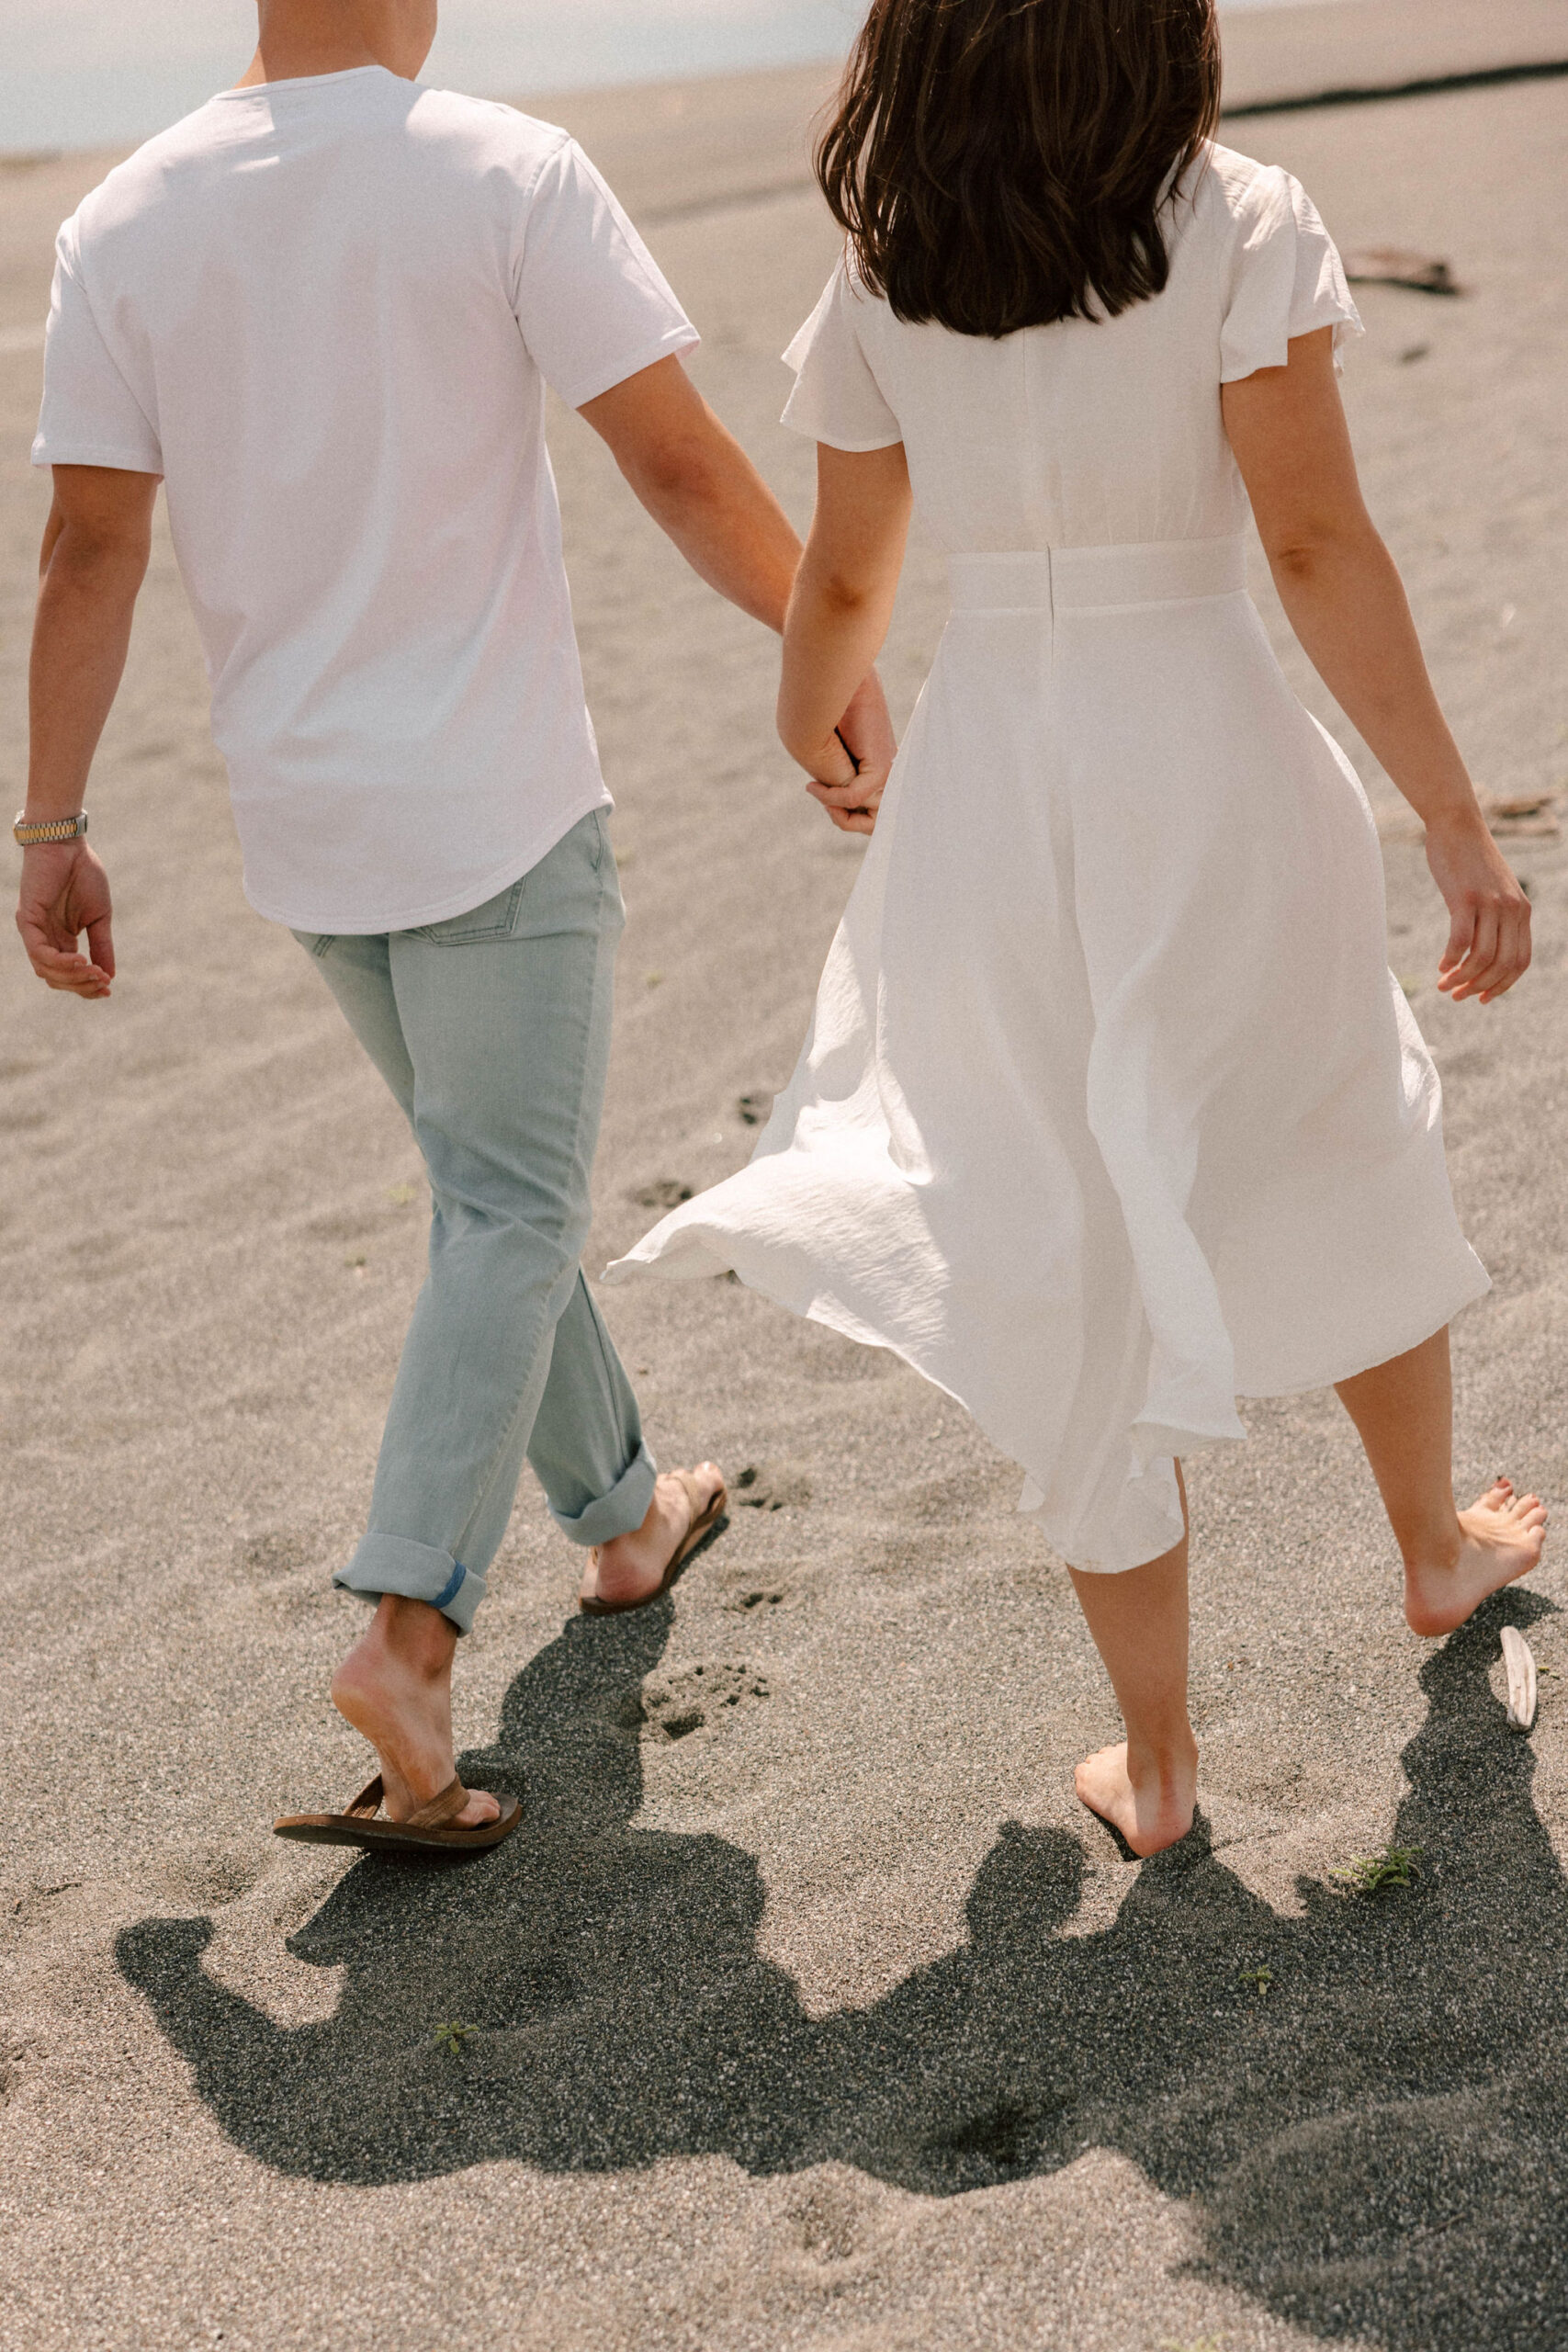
{"x": 811, "y": 2011}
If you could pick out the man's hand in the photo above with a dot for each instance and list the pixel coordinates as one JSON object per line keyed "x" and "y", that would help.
{"x": 66, "y": 892}
{"x": 863, "y": 742}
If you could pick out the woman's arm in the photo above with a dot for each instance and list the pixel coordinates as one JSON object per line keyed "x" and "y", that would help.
{"x": 839, "y": 612}
{"x": 1345, "y": 600}
{"x": 702, "y": 489}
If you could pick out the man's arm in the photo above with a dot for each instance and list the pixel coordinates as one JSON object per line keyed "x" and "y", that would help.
{"x": 94, "y": 559}
{"x": 703, "y": 491}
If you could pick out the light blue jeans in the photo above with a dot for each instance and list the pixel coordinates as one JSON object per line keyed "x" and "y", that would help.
{"x": 492, "y": 1030}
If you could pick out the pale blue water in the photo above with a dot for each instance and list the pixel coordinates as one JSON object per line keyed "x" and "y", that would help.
{"x": 100, "y": 72}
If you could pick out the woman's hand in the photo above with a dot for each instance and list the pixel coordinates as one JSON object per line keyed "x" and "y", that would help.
{"x": 831, "y": 712}
{"x": 850, "y": 769}
{"x": 1489, "y": 927}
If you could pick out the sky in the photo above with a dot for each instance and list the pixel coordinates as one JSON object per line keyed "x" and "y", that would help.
{"x": 99, "y": 72}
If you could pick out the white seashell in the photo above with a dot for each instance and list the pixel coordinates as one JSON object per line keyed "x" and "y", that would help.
{"x": 1517, "y": 1659}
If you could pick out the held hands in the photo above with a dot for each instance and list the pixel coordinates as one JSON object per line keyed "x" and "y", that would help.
{"x": 64, "y": 892}
{"x": 851, "y": 768}
{"x": 1489, "y": 927}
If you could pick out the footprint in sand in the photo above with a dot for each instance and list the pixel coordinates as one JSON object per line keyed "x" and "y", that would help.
{"x": 700, "y": 1697}
{"x": 664, "y": 1193}
{"x": 771, "y": 1486}
{"x": 212, "y": 1876}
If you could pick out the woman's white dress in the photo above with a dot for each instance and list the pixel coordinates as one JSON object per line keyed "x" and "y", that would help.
{"x": 1110, "y": 1110}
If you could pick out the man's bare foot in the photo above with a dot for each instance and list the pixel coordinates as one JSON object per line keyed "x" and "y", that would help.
{"x": 631, "y": 1568}
{"x": 1500, "y": 1538}
{"x": 1153, "y": 1810}
{"x": 395, "y": 1686}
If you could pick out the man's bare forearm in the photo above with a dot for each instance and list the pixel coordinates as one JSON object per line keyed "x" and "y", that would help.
{"x": 86, "y": 597}
{"x": 700, "y": 487}
{"x": 710, "y": 502}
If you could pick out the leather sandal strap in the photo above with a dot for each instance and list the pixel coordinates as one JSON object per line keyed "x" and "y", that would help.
{"x": 367, "y": 1802}
{"x": 442, "y": 1809}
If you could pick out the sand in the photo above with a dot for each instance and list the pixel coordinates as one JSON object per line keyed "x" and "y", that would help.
{"x": 810, "y": 2010}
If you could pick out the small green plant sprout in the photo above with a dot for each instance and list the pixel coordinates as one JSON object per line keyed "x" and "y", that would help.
{"x": 455, "y": 2037}
{"x": 1199, "y": 2344}
{"x": 1370, "y": 1874}
{"x": 1258, "y": 1978}
{"x": 402, "y": 1196}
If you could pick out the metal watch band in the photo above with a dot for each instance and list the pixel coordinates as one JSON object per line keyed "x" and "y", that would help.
{"x": 50, "y": 829}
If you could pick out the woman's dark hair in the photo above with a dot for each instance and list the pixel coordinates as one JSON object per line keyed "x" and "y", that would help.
{"x": 1000, "y": 163}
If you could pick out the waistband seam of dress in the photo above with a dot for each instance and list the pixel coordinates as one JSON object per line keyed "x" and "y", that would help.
{"x": 1152, "y": 572}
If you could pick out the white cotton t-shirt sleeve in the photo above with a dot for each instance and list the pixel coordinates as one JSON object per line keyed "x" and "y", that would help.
{"x": 592, "y": 302}
{"x": 90, "y": 415}
{"x": 837, "y": 398}
{"x": 1288, "y": 280}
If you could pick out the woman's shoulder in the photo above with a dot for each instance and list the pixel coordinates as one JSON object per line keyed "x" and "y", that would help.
{"x": 1235, "y": 192}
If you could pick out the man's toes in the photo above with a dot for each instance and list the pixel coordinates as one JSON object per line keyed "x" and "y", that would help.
{"x": 482, "y": 1807}
{"x": 711, "y": 1478}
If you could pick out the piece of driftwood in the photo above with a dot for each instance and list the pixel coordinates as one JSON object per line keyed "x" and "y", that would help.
{"x": 1393, "y": 266}
{"x": 1525, "y": 812}
{"x": 1521, "y": 1663}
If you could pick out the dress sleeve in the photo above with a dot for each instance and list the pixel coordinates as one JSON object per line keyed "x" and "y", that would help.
{"x": 1287, "y": 279}
{"x": 836, "y": 398}
{"x": 91, "y": 413}
{"x": 592, "y": 303}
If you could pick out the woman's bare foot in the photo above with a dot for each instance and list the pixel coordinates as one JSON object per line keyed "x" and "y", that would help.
{"x": 395, "y": 1686}
{"x": 1501, "y": 1536}
{"x": 1152, "y": 1808}
{"x": 631, "y": 1567}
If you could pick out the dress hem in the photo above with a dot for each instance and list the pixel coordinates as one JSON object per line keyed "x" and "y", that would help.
{"x": 848, "y": 1327}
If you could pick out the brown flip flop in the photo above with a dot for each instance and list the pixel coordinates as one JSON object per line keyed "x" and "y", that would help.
{"x": 702, "y": 1520}
{"x": 431, "y": 1828}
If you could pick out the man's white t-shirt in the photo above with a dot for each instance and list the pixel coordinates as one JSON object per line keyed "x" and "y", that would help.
{"x": 325, "y": 311}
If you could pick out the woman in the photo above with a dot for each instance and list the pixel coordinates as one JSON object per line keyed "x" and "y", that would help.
{"x": 1110, "y": 1110}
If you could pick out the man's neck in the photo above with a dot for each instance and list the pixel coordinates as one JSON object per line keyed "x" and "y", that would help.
{"x": 300, "y": 38}
{"x": 294, "y": 60}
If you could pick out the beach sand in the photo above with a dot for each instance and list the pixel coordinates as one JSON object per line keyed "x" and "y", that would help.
{"x": 809, "y": 2008}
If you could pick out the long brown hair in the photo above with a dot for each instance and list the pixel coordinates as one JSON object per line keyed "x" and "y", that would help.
{"x": 1001, "y": 164}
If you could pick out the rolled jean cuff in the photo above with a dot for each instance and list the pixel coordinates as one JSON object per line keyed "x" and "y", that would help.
{"x": 616, "y": 1513}
{"x": 417, "y": 1571}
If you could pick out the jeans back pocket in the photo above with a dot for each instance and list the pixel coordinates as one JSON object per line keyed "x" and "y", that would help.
{"x": 495, "y": 919}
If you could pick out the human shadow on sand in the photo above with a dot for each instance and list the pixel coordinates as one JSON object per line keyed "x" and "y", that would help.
{"x": 1378, "y": 2146}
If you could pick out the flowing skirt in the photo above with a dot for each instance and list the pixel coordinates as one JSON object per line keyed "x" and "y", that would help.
{"x": 1110, "y": 1110}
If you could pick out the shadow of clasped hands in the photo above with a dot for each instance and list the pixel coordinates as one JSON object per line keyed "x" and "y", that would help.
{"x": 1376, "y": 2148}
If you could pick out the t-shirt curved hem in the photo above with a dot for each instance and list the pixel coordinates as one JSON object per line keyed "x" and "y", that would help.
{"x": 472, "y": 895}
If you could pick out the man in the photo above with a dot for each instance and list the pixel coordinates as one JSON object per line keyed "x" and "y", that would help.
{"x": 324, "y": 310}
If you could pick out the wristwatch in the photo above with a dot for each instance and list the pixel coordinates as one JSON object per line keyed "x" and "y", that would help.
{"x": 50, "y": 829}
